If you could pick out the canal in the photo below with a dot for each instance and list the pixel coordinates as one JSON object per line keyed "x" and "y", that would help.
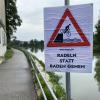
{"x": 84, "y": 86}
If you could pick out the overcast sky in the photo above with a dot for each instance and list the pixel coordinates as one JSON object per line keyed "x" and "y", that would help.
{"x": 31, "y": 12}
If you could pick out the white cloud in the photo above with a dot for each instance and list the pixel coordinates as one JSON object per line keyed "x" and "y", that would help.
{"x": 30, "y": 31}
{"x": 31, "y": 12}
{"x": 74, "y": 2}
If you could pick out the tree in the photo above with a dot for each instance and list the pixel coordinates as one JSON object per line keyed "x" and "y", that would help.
{"x": 12, "y": 18}
{"x": 97, "y": 35}
{"x": 97, "y": 70}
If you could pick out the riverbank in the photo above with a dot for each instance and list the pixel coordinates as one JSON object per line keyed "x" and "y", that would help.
{"x": 51, "y": 78}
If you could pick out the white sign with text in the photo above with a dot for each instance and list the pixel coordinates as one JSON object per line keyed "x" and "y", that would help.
{"x": 69, "y": 38}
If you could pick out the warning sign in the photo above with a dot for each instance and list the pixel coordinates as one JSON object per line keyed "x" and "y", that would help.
{"x": 69, "y": 38}
{"x": 57, "y": 39}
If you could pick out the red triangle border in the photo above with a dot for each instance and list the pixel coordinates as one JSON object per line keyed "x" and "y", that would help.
{"x": 51, "y": 43}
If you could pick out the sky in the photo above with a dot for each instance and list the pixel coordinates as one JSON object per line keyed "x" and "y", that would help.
{"x": 31, "y": 13}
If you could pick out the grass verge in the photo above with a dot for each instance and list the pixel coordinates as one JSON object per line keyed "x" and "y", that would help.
{"x": 9, "y": 54}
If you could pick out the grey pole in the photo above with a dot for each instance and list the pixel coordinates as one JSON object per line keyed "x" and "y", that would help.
{"x": 67, "y": 2}
{"x": 68, "y": 84}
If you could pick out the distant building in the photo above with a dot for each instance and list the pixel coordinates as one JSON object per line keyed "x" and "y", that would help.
{"x": 2, "y": 30}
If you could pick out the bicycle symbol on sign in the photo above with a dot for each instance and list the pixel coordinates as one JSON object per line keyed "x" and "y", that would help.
{"x": 66, "y": 30}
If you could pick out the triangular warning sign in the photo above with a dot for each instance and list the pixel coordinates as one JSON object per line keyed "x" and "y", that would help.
{"x": 53, "y": 43}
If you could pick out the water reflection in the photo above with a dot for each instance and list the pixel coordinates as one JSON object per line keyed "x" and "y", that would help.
{"x": 36, "y": 45}
{"x": 36, "y": 49}
{"x": 32, "y": 45}
{"x": 97, "y": 70}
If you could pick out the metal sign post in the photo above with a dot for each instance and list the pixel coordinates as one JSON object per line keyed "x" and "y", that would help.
{"x": 67, "y": 2}
{"x": 68, "y": 84}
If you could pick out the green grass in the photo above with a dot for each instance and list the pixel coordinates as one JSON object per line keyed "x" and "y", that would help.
{"x": 9, "y": 54}
{"x": 54, "y": 79}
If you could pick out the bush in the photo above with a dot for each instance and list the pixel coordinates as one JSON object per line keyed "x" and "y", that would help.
{"x": 9, "y": 54}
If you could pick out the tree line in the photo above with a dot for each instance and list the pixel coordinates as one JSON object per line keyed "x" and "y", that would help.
{"x": 97, "y": 38}
{"x": 33, "y": 45}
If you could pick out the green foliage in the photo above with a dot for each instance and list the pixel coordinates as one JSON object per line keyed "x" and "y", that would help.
{"x": 9, "y": 54}
{"x": 97, "y": 35}
{"x": 40, "y": 61}
{"x": 12, "y": 18}
{"x": 60, "y": 92}
{"x": 58, "y": 89}
{"x": 54, "y": 78}
{"x": 47, "y": 92}
{"x": 42, "y": 64}
{"x": 96, "y": 46}
{"x": 97, "y": 70}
